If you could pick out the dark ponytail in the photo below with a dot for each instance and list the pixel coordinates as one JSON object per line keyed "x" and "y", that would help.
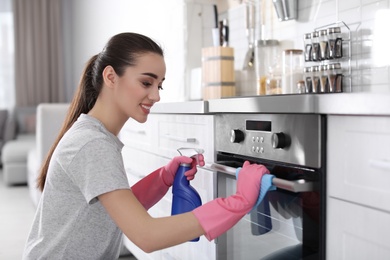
{"x": 120, "y": 52}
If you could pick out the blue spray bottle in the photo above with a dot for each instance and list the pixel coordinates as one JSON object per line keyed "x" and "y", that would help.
{"x": 185, "y": 198}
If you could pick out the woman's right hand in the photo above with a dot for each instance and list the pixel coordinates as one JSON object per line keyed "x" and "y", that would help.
{"x": 249, "y": 182}
{"x": 219, "y": 215}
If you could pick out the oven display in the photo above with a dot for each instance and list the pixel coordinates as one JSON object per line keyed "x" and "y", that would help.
{"x": 258, "y": 125}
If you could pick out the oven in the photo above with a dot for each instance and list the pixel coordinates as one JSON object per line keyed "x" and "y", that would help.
{"x": 290, "y": 222}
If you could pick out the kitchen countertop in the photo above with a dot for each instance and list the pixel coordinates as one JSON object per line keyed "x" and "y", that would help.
{"x": 337, "y": 104}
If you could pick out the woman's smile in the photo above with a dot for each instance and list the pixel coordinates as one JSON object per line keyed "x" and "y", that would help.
{"x": 146, "y": 108}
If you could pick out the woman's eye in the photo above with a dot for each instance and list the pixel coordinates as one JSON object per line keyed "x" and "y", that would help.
{"x": 160, "y": 88}
{"x": 146, "y": 84}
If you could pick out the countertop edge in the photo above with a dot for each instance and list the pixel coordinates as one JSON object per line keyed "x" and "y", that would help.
{"x": 185, "y": 107}
{"x": 327, "y": 104}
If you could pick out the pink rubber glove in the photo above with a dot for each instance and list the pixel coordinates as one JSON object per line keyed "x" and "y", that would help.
{"x": 150, "y": 189}
{"x": 219, "y": 215}
{"x": 172, "y": 167}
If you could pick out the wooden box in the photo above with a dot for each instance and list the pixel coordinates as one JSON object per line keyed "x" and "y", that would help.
{"x": 218, "y": 78}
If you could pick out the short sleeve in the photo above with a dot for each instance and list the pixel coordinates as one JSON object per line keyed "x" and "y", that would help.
{"x": 97, "y": 169}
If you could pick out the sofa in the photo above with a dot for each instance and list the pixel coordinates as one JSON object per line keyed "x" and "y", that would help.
{"x": 50, "y": 117}
{"x": 19, "y": 130}
{"x": 6, "y": 130}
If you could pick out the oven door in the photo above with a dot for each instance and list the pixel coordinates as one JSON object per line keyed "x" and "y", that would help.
{"x": 285, "y": 225}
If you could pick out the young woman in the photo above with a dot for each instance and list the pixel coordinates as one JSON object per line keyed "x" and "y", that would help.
{"x": 87, "y": 204}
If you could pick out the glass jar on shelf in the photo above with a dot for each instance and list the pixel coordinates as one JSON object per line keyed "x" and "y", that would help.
{"x": 307, "y": 76}
{"x": 323, "y": 41}
{"x": 266, "y": 54}
{"x": 308, "y": 46}
{"x": 323, "y": 76}
{"x": 315, "y": 79}
{"x": 335, "y": 43}
{"x": 335, "y": 77}
{"x": 315, "y": 50}
{"x": 292, "y": 70}
{"x": 274, "y": 80}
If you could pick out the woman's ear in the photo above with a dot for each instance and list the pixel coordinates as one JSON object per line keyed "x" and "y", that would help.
{"x": 109, "y": 76}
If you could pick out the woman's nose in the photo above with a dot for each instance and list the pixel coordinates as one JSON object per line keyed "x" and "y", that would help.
{"x": 154, "y": 95}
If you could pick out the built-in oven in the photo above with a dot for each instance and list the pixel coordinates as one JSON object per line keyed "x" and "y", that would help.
{"x": 290, "y": 221}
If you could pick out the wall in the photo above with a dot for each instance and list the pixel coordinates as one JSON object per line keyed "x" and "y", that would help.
{"x": 184, "y": 27}
{"x": 89, "y": 24}
{"x": 370, "y": 57}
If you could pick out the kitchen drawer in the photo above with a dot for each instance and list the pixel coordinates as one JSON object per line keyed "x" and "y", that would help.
{"x": 356, "y": 232}
{"x": 194, "y": 131}
{"x": 140, "y": 163}
{"x": 203, "y": 249}
{"x": 140, "y": 136}
{"x": 358, "y": 160}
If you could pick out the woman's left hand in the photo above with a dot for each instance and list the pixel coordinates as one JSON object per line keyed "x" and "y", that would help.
{"x": 172, "y": 167}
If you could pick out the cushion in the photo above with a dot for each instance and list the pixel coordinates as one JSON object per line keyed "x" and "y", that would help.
{"x": 26, "y": 119}
{"x": 3, "y": 120}
{"x": 16, "y": 151}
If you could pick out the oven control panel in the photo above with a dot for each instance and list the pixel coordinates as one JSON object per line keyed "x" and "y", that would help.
{"x": 289, "y": 138}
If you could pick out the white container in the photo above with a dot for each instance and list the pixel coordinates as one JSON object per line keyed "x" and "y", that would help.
{"x": 292, "y": 70}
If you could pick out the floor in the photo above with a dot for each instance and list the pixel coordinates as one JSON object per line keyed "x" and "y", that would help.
{"x": 16, "y": 215}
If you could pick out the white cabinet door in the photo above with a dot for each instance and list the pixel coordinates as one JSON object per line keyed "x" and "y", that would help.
{"x": 153, "y": 144}
{"x": 358, "y": 187}
{"x": 356, "y": 232}
{"x": 359, "y": 160}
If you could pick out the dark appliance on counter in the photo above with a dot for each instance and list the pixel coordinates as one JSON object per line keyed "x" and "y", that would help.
{"x": 290, "y": 222}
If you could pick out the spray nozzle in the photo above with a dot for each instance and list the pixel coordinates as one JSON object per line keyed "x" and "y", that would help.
{"x": 190, "y": 152}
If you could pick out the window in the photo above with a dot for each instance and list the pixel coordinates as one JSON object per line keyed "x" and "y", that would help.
{"x": 7, "y": 54}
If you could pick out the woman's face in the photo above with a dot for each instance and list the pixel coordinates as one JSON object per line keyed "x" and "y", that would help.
{"x": 138, "y": 89}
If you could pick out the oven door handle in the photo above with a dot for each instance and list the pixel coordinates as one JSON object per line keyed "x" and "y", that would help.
{"x": 293, "y": 186}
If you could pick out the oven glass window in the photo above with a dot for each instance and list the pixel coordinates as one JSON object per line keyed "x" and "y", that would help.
{"x": 284, "y": 226}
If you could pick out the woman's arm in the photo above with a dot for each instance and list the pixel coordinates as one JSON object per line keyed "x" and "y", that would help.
{"x": 146, "y": 232}
{"x": 158, "y": 182}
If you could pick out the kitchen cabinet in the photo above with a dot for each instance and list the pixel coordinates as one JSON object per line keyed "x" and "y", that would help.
{"x": 358, "y": 190}
{"x": 153, "y": 144}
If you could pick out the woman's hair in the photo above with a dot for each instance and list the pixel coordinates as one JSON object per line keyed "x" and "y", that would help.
{"x": 120, "y": 52}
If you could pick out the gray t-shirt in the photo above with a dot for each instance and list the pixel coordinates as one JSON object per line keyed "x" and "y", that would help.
{"x": 70, "y": 222}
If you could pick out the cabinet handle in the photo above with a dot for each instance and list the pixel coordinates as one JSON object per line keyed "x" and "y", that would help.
{"x": 380, "y": 164}
{"x": 138, "y": 132}
{"x": 294, "y": 186}
{"x": 135, "y": 173}
{"x": 180, "y": 139}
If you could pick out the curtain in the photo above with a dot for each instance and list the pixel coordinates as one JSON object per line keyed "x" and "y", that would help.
{"x": 39, "y": 63}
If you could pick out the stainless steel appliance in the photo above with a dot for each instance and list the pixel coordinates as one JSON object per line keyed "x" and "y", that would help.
{"x": 290, "y": 222}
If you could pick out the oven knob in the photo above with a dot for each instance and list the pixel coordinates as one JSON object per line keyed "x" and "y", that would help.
{"x": 279, "y": 140}
{"x": 236, "y": 136}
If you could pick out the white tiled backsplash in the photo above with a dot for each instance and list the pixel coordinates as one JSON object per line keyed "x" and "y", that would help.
{"x": 369, "y": 74}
